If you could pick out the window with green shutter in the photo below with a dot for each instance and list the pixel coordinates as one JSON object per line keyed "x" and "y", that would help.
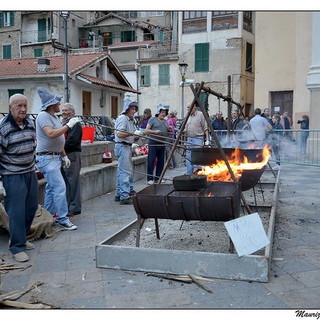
{"x": 37, "y": 52}
{"x": 249, "y": 57}
{"x": 11, "y": 92}
{"x": 201, "y": 62}
{"x": 6, "y": 18}
{"x": 6, "y": 51}
{"x": 164, "y": 74}
{"x": 128, "y": 36}
{"x": 145, "y": 76}
{"x": 42, "y": 32}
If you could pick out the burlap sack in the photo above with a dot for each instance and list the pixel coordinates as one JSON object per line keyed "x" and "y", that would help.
{"x": 42, "y": 225}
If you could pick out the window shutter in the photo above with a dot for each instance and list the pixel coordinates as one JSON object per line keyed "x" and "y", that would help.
{"x": 164, "y": 75}
{"x": 37, "y": 52}
{"x": 197, "y": 62}
{"x": 249, "y": 57}
{"x": 205, "y": 57}
{"x": 201, "y": 57}
{"x": 11, "y": 18}
{"x": 6, "y": 52}
{"x": 1, "y": 19}
{"x": 145, "y": 76}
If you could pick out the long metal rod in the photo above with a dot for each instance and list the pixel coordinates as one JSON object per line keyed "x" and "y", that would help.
{"x": 149, "y": 136}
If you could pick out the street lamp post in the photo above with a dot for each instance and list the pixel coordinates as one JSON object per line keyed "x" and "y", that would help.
{"x": 183, "y": 70}
{"x": 65, "y": 15}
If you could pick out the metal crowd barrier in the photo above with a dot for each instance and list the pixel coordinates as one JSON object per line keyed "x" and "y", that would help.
{"x": 296, "y": 146}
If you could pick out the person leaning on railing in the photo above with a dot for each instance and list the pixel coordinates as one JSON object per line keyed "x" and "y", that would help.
{"x": 276, "y": 138}
{"x": 304, "y": 125}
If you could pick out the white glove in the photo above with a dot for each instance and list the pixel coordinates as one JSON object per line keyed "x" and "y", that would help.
{"x": 207, "y": 143}
{"x": 73, "y": 121}
{"x": 138, "y": 133}
{"x": 2, "y": 189}
{"x": 66, "y": 163}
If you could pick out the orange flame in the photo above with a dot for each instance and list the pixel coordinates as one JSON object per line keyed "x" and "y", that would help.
{"x": 237, "y": 162}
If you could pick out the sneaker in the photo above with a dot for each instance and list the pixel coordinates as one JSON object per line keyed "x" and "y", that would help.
{"x": 21, "y": 256}
{"x": 67, "y": 225}
{"x": 117, "y": 198}
{"x": 150, "y": 182}
{"x": 29, "y": 245}
{"x": 126, "y": 201}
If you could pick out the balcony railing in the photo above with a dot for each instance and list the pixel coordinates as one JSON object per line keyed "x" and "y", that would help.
{"x": 35, "y": 36}
{"x": 159, "y": 51}
{"x": 194, "y": 25}
{"x": 225, "y": 22}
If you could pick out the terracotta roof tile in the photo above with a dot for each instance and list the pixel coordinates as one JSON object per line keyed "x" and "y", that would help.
{"x": 109, "y": 84}
{"x": 14, "y": 68}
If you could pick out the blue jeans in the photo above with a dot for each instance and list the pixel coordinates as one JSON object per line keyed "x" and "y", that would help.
{"x": 199, "y": 142}
{"x": 124, "y": 173}
{"x": 155, "y": 152}
{"x": 21, "y": 204}
{"x": 55, "y": 192}
{"x": 303, "y": 141}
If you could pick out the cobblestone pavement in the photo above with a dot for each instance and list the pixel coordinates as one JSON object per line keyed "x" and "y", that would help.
{"x": 66, "y": 263}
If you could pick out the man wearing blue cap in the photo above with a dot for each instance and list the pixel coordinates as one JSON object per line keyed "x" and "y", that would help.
{"x": 51, "y": 155}
{"x": 124, "y": 130}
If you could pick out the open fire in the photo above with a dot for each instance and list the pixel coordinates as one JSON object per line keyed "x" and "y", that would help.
{"x": 238, "y": 163}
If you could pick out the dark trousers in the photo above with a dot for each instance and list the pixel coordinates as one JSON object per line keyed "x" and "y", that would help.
{"x": 71, "y": 177}
{"x": 155, "y": 152}
{"x": 21, "y": 204}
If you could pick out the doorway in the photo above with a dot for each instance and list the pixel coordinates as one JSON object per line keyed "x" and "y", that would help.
{"x": 114, "y": 107}
{"x": 86, "y": 103}
{"x": 282, "y": 101}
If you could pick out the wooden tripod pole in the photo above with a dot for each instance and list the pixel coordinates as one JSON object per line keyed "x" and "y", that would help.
{"x": 214, "y": 135}
{"x": 184, "y": 122}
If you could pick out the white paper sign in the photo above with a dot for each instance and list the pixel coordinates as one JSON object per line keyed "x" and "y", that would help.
{"x": 276, "y": 109}
{"x": 247, "y": 234}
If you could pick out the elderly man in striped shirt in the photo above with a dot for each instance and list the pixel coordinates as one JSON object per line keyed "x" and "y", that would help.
{"x": 19, "y": 182}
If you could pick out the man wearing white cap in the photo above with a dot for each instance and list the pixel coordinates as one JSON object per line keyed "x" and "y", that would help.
{"x": 51, "y": 155}
{"x": 157, "y": 126}
{"x": 124, "y": 138}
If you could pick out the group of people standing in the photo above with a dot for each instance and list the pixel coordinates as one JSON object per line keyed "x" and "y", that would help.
{"x": 51, "y": 147}
{"x": 264, "y": 128}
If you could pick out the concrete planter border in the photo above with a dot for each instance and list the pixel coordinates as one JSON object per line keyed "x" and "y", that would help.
{"x": 211, "y": 265}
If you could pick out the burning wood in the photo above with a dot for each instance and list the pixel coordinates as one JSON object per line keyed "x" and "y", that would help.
{"x": 238, "y": 163}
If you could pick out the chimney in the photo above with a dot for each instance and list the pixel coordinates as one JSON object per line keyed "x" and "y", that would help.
{"x": 43, "y": 65}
